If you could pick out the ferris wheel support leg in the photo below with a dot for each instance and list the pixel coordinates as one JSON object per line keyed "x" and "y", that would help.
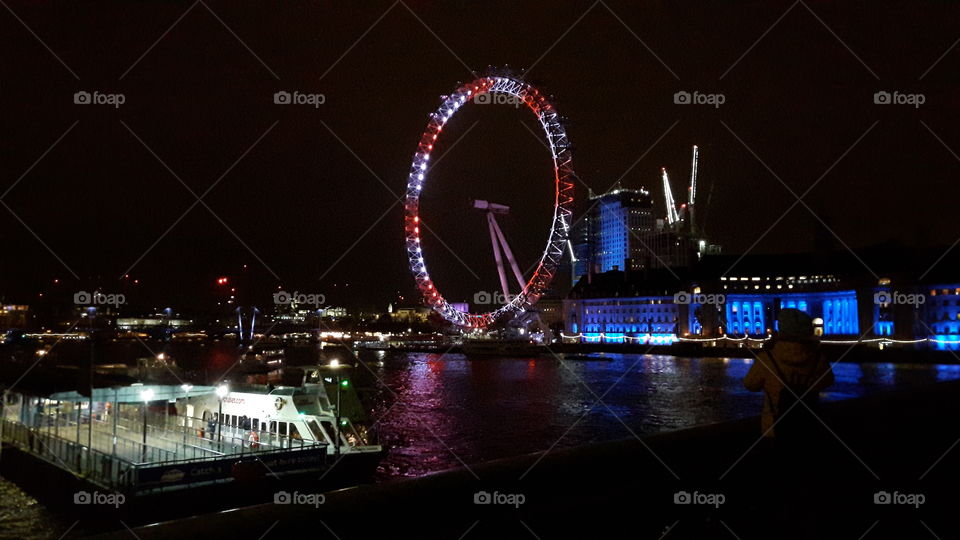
{"x": 506, "y": 250}
{"x": 492, "y": 225}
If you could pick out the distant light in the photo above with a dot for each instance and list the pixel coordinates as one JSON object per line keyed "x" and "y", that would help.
{"x": 334, "y": 363}
{"x": 161, "y": 356}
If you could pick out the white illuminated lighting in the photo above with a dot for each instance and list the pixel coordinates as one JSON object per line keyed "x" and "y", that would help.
{"x": 334, "y": 363}
{"x": 146, "y": 394}
{"x": 222, "y": 391}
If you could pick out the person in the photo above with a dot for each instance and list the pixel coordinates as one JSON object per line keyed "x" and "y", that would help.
{"x": 791, "y": 371}
{"x": 791, "y": 368}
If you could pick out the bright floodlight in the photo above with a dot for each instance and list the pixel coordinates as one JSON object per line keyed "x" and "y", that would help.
{"x": 334, "y": 363}
{"x": 146, "y": 394}
{"x": 186, "y": 387}
{"x": 222, "y": 390}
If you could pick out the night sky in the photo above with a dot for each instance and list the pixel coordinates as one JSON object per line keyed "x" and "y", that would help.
{"x": 310, "y": 205}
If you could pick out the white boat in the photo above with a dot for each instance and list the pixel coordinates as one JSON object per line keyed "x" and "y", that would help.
{"x": 263, "y": 417}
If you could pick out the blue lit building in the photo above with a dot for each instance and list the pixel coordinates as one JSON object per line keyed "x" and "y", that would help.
{"x": 616, "y": 307}
{"x": 609, "y": 236}
{"x": 942, "y": 314}
{"x": 742, "y": 296}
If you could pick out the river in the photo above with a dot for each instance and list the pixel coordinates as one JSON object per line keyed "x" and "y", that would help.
{"x": 437, "y": 412}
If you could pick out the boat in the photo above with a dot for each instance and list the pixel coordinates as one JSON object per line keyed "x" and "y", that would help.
{"x": 586, "y": 357}
{"x": 323, "y": 410}
{"x": 500, "y": 347}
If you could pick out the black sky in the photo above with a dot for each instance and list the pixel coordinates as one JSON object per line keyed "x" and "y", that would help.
{"x": 305, "y": 201}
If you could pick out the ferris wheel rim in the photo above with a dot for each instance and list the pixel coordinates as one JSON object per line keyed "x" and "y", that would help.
{"x": 559, "y": 147}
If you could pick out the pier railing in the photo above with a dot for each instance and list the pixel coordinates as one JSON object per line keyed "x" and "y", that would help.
{"x": 124, "y": 465}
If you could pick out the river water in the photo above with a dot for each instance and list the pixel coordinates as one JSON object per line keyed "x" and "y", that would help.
{"x": 435, "y": 412}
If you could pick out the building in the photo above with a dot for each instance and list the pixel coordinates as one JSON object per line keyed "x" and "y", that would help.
{"x": 619, "y": 306}
{"x": 409, "y": 314}
{"x": 619, "y": 232}
{"x": 608, "y": 236}
{"x": 14, "y": 316}
{"x": 873, "y": 296}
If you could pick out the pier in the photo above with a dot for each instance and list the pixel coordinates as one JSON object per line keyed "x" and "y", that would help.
{"x": 112, "y": 440}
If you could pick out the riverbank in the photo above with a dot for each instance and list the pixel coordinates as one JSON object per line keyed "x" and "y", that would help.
{"x": 854, "y": 353}
{"x": 881, "y": 448}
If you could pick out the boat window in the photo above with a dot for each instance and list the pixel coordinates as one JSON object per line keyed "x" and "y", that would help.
{"x": 316, "y": 431}
{"x": 283, "y": 428}
{"x": 294, "y": 432}
{"x": 273, "y": 426}
{"x": 255, "y": 423}
{"x": 331, "y": 432}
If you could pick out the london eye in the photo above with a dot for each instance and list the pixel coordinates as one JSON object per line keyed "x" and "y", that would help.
{"x": 481, "y": 90}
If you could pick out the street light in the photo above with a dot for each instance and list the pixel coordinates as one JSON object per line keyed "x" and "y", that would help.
{"x": 146, "y": 395}
{"x": 222, "y": 392}
{"x": 336, "y": 364}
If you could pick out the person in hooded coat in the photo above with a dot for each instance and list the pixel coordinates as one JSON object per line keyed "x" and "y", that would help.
{"x": 792, "y": 358}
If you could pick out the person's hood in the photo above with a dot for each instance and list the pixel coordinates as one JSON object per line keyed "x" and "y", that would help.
{"x": 794, "y": 353}
{"x": 794, "y": 324}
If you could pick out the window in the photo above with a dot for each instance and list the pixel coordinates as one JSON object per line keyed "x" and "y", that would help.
{"x": 315, "y": 430}
{"x": 328, "y": 428}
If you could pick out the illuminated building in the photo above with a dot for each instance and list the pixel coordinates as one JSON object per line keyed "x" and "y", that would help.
{"x": 609, "y": 236}
{"x": 731, "y": 297}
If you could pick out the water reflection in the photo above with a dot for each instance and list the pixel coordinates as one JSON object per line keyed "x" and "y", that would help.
{"x": 450, "y": 409}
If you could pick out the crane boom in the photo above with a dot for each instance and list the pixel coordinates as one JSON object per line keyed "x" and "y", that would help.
{"x": 693, "y": 177}
{"x": 672, "y": 215}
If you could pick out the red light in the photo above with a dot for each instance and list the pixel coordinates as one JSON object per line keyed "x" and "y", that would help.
{"x": 222, "y": 281}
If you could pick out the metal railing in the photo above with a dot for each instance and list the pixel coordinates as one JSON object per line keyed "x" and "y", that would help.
{"x": 118, "y": 468}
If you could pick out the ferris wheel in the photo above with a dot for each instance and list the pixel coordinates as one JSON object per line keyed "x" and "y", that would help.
{"x": 493, "y": 89}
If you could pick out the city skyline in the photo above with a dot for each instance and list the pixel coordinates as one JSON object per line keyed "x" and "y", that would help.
{"x": 306, "y": 188}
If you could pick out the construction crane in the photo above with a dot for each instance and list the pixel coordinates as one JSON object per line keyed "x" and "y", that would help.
{"x": 693, "y": 178}
{"x": 672, "y": 215}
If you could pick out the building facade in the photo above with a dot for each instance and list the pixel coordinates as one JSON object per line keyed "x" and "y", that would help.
{"x": 740, "y": 298}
